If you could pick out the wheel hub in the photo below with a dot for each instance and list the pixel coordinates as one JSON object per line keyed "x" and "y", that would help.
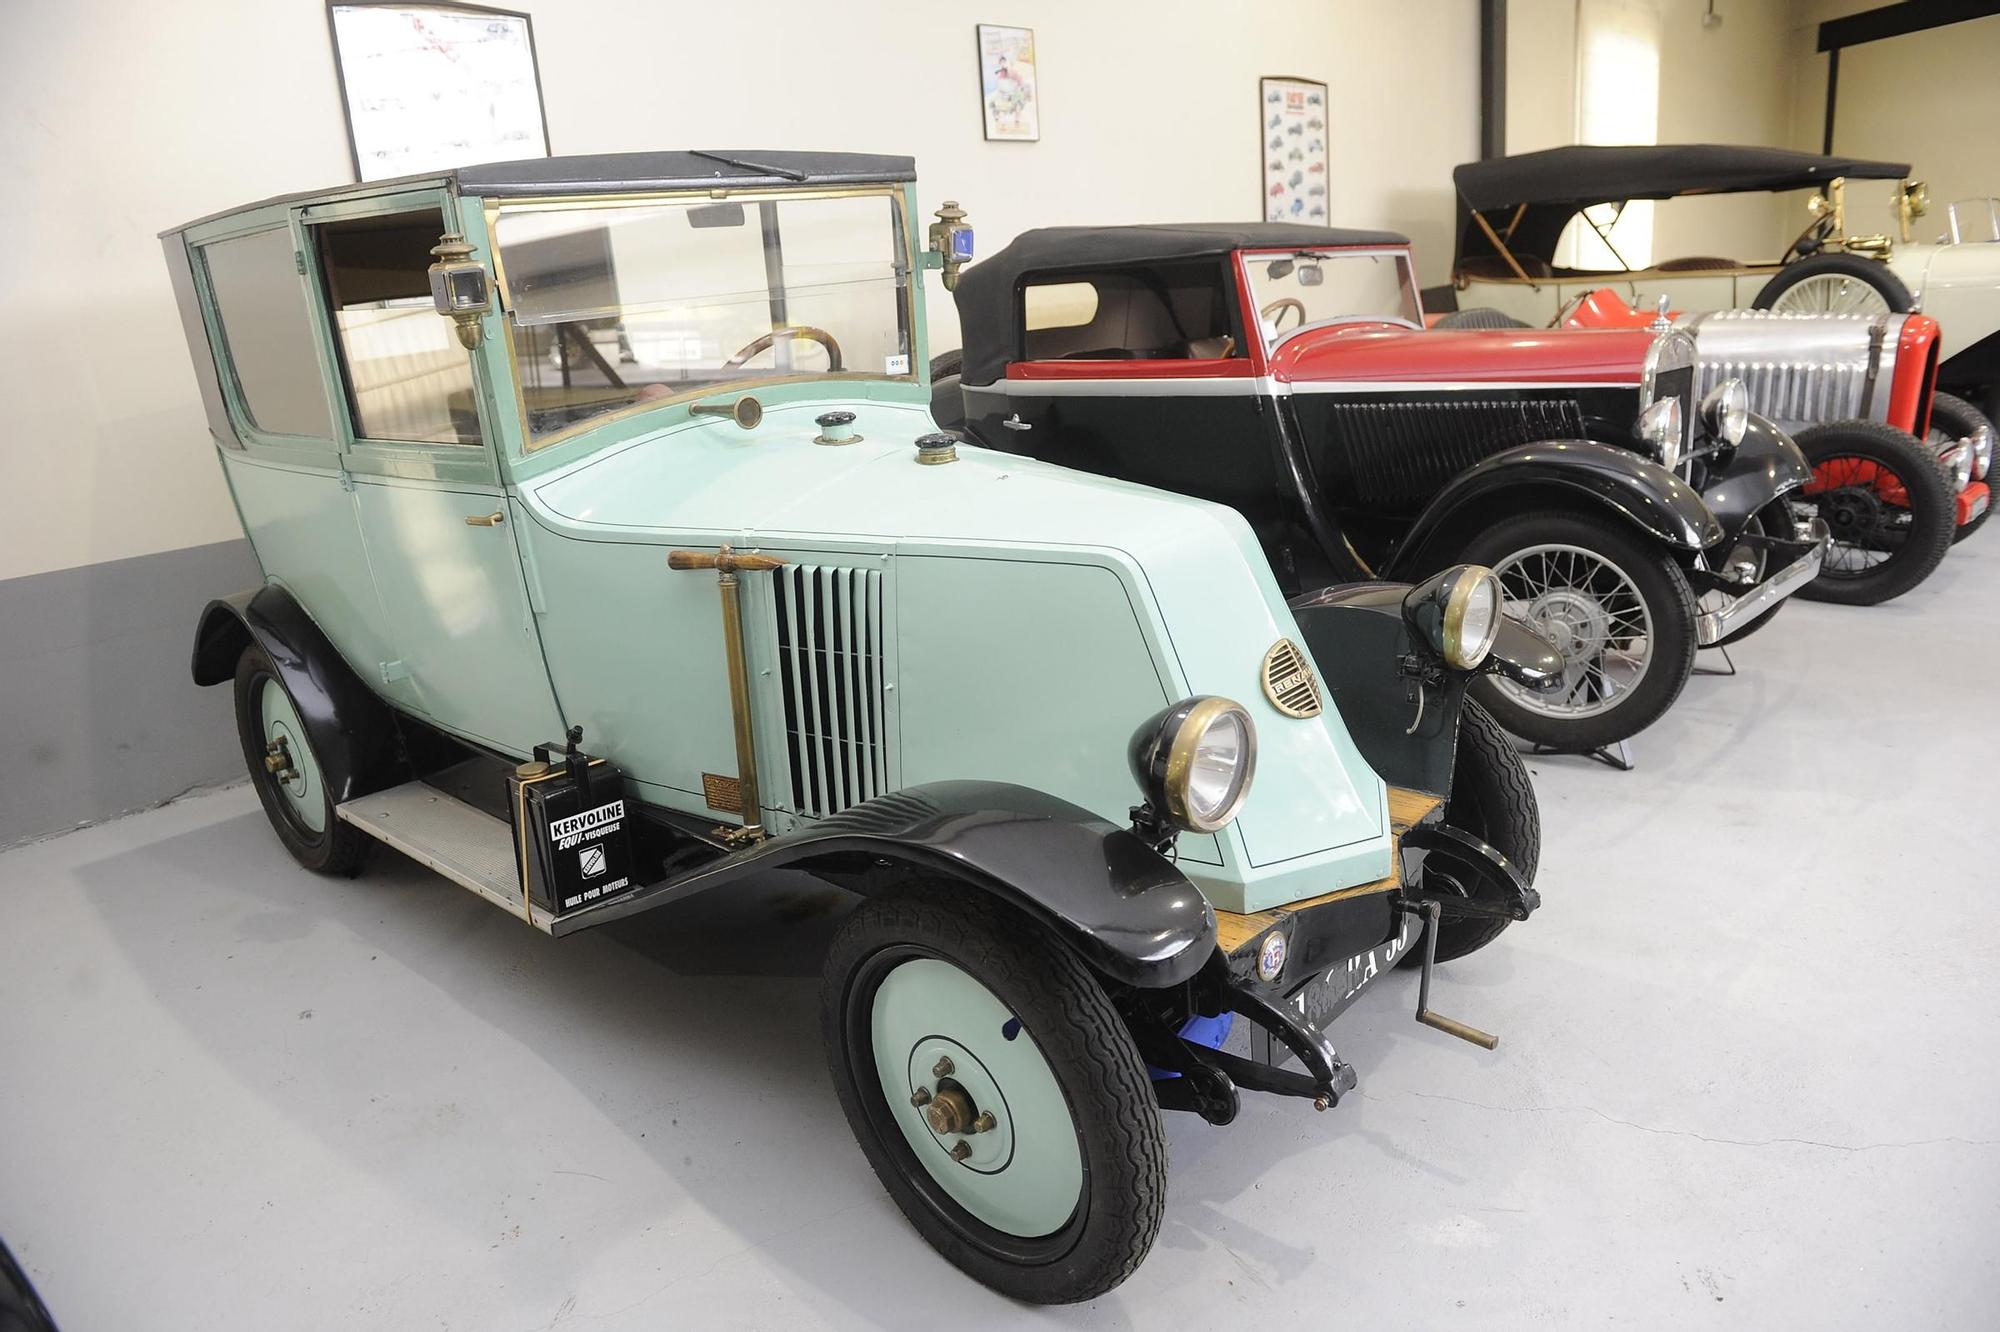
{"x": 1851, "y": 512}
{"x": 1575, "y": 621}
{"x": 958, "y": 1097}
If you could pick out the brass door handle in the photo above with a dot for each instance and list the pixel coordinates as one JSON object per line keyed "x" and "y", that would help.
{"x": 493, "y": 519}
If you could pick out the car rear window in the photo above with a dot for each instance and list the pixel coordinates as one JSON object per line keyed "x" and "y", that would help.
{"x": 267, "y": 334}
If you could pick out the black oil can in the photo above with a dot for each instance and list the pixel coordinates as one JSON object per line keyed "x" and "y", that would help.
{"x": 572, "y": 832}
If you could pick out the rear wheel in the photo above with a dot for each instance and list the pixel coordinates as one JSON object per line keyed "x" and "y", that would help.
{"x": 996, "y": 1092}
{"x": 1835, "y": 284}
{"x": 290, "y": 783}
{"x": 1956, "y": 421}
{"x": 1493, "y": 799}
{"x": 1615, "y": 605}
{"x": 1887, "y": 505}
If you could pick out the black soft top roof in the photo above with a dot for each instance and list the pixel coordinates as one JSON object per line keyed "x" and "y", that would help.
{"x": 1584, "y": 175}
{"x": 599, "y": 173}
{"x": 1554, "y": 185}
{"x": 986, "y": 290}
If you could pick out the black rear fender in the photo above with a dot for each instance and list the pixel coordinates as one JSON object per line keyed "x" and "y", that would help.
{"x": 1557, "y": 473}
{"x": 353, "y": 732}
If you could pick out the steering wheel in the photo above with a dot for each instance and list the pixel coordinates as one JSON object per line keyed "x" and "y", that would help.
{"x": 1818, "y": 230}
{"x": 1276, "y": 309}
{"x": 805, "y": 332}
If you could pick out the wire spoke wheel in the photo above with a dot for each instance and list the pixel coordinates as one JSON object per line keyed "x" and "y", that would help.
{"x": 1831, "y": 293}
{"x": 1591, "y": 609}
{"x": 1888, "y": 510}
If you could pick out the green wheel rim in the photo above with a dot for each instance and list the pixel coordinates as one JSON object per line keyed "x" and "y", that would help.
{"x": 301, "y": 790}
{"x": 1023, "y": 1176}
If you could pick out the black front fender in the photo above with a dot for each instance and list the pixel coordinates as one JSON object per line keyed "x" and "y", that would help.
{"x": 1612, "y": 479}
{"x": 353, "y": 732}
{"x": 1767, "y": 464}
{"x": 1123, "y": 906}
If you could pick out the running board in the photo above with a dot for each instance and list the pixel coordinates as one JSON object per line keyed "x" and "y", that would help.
{"x": 466, "y": 845}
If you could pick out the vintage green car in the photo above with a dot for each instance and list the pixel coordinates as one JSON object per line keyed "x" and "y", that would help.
{"x": 611, "y": 554}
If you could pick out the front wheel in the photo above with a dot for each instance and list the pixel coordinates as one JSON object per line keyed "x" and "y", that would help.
{"x": 1886, "y": 504}
{"x": 1493, "y": 799}
{"x": 1615, "y": 605}
{"x": 996, "y": 1092}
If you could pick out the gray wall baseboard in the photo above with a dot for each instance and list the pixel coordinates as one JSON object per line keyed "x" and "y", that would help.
{"x": 97, "y": 714}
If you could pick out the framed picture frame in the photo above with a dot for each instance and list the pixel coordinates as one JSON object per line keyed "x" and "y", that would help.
{"x": 1292, "y": 143}
{"x": 429, "y": 86}
{"x": 1010, "y": 103}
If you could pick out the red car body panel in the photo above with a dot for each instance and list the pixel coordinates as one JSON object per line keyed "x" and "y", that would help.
{"x": 1392, "y": 354}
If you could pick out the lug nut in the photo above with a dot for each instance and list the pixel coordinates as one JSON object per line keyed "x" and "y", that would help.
{"x": 921, "y": 1096}
{"x": 985, "y": 1123}
{"x": 960, "y": 1150}
{"x": 942, "y": 1068}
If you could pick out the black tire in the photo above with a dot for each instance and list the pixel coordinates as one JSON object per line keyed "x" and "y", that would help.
{"x": 1774, "y": 520}
{"x": 948, "y": 363}
{"x": 333, "y": 848}
{"x": 1086, "y": 1047}
{"x": 1862, "y": 522}
{"x": 1493, "y": 799}
{"x": 1872, "y": 272}
{"x": 1669, "y": 604}
{"x": 1953, "y": 418}
{"x": 1479, "y": 317}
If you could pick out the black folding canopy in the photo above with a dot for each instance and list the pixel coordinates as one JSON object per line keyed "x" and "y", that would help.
{"x": 988, "y": 289}
{"x": 1552, "y": 186}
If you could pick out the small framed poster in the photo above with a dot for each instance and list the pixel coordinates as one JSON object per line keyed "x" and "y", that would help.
{"x": 427, "y": 87}
{"x": 1008, "y": 98}
{"x": 1291, "y": 143}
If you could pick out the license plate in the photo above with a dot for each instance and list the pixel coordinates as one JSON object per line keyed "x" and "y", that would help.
{"x": 1323, "y": 998}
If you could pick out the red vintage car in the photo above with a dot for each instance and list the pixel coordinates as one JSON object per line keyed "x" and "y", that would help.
{"x": 1284, "y": 370}
{"x": 1858, "y": 392}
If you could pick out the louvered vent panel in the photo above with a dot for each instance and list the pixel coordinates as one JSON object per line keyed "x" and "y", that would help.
{"x": 829, "y": 636}
{"x": 1401, "y": 453}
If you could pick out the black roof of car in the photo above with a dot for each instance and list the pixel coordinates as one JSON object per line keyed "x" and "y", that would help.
{"x": 986, "y": 290}
{"x": 1583, "y": 175}
{"x": 1554, "y": 185}
{"x": 600, "y": 173}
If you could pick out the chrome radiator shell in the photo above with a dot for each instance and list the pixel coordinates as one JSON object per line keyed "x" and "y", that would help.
{"x": 1800, "y": 369}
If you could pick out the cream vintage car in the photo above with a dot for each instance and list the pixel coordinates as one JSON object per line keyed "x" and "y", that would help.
{"x": 1513, "y": 212}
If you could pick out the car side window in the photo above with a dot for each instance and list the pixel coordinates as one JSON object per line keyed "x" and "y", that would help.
{"x": 406, "y": 376}
{"x": 266, "y": 331}
{"x": 1165, "y": 312}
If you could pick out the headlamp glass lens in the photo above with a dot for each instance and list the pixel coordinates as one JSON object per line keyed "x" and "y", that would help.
{"x": 1218, "y": 763}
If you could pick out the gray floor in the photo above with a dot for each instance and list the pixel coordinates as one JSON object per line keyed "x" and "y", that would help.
{"x": 1747, "y": 1072}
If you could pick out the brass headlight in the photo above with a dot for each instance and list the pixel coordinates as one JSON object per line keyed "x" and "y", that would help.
{"x": 1195, "y": 763}
{"x": 1457, "y": 612}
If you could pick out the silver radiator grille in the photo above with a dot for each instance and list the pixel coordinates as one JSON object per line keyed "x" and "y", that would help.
{"x": 1798, "y": 392}
{"x": 829, "y": 637}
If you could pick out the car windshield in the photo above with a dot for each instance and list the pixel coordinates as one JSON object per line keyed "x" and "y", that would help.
{"x": 617, "y": 307}
{"x": 1303, "y": 288}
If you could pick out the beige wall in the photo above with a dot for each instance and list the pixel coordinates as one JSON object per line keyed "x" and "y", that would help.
{"x": 1733, "y": 83}
{"x": 123, "y": 119}
{"x": 1928, "y": 98}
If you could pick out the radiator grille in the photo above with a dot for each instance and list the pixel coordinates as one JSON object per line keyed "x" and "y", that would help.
{"x": 829, "y": 637}
{"x": 1800, "y": 391}
{"x": 1401, "y": 453}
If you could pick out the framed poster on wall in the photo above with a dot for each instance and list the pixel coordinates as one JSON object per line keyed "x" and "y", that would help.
{"x": 432, "y": 86}
{"x": 1291, "y": 141}
{"x": 1008, "y": 97}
